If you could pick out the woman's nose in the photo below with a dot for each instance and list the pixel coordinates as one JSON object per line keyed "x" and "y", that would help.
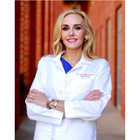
{"x": 71, "y": 33}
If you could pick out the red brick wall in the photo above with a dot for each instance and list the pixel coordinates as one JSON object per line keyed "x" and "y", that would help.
{"x": 99, "y": 12}
{"x": 46, "y": 28}
{"x": 37, "y": 19}
{"x": 51, "y": 24}
{"x": 25, "y": 40}
{"x": 27, "y": 43}
{"x": 38, "y": 52}
{"x": 32, "y": 39}
{"x": 55, "y": 8}
{"x": 21, "y": 12}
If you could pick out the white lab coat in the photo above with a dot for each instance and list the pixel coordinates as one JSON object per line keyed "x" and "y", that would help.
{"x": 81, "y": 115}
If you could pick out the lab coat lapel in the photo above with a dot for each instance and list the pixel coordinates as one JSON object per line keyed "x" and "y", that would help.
{"x": 56, "y": 60}
{"x": 82, "y": 61}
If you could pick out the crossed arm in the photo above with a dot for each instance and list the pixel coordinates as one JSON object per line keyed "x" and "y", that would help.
{"x": 40, "y": 99}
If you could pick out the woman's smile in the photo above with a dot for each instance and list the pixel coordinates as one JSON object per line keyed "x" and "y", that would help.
{"x": 72, "y": 40}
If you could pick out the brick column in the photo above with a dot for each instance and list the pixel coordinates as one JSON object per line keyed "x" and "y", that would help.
{"x": 32, "y": 39}
{"x": 51, "y": 24}
{"x": 38, "y": 52}
{"x": 46, "y": 28}
{"x": 22, "y": 34}
{"x": 51, "y": 11}
{"x": 27, "y": 43}
{"x": 43, "y": 19}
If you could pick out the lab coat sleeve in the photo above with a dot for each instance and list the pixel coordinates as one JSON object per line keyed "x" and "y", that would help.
{"x": 92, "y": 110}
{"x": 36, "y": 112}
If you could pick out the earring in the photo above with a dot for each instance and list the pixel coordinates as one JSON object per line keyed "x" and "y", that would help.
{"x": 85, "y": 39}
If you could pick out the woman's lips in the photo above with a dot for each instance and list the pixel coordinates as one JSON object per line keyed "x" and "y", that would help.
{"x": 72, "y": 40}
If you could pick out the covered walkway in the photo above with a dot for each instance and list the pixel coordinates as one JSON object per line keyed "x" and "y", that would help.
{"x": 110, "y": 126}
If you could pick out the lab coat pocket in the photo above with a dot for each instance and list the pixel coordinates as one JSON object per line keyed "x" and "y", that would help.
{"x": 82, "y": 85}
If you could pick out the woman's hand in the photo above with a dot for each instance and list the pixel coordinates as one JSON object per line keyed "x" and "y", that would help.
{"x": 94, "y": 95}
{"x": 37, "y": 97}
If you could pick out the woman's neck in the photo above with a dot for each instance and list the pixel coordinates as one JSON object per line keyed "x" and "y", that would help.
{"x": 72, "y": 56}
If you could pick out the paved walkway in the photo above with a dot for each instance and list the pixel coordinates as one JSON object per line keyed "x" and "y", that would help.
{"x": 110, "y": 126}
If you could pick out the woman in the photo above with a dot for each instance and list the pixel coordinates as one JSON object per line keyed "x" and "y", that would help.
{"x": 71, "y": 87}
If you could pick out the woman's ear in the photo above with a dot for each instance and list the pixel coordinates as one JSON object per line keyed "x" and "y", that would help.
{"x": 86, "y": 37}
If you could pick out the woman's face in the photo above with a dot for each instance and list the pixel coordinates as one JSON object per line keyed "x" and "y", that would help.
{"x": 73, "y": 31}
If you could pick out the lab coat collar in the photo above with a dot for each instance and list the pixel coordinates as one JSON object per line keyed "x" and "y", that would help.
{"x": 57, "y": 58}
{"x": 84, "y": 60}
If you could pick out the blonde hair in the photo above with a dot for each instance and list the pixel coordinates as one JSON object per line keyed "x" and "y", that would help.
{"x": 88, "y": 44}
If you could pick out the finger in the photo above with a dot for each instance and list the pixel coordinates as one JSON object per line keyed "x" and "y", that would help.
{"x": 28, "y": 97}
{"x": 31, "y": 101}
{"x": 90, "y": 93}
{"x": 97, "y": 95}
{"x": 37, "y": 92}
{"x": 96, "y": 90}
{"x": 31, "y": 96}
{"x": 96, "y": 99}
{"x": 34, "y": 91}
{"x": 93, "y": 91}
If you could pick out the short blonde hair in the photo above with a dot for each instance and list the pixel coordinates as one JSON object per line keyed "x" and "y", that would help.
{"x": 88, "y": 44}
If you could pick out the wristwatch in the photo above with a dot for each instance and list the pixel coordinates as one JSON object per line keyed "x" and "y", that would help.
{"x": 48, "y": 102}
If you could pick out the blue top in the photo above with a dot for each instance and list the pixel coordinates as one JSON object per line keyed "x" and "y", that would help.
{"x": 67, "y": 67}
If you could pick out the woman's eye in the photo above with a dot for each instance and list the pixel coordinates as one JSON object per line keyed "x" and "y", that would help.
{"x": 65, "y": 28}
{"x": 77, "y": 28}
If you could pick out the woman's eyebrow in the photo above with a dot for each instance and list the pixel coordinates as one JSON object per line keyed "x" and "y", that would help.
{"x": 77, "y": 24}
{"x": 74, "y": 25}
{"x": 65, "y": 25}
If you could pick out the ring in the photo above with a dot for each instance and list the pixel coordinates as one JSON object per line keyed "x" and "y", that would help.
{"x": 32, "y": 96}
{"x": 90, "y": 98}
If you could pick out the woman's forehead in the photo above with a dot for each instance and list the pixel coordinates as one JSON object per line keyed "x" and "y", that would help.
{"x": 73, "y": 19}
